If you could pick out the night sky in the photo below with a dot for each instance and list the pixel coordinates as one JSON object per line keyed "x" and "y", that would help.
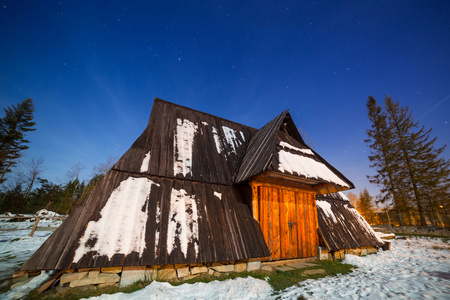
{"x": 94, "y": 67}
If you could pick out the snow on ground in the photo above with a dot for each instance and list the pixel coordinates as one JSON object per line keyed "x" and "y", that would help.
{"x": 417, "y": 268}
{"x": 239, "y": 288}
{"x": 15, "y": 244}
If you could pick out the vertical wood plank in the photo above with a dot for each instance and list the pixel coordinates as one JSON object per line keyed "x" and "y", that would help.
{"x": 293, "y": 242}
{"x": 316, "y": 224}
{"x": 303, "y": 224}
{"x": 308, "y": 224}
{"x": 275, "y": 223}
{"x": 284, "y": 228}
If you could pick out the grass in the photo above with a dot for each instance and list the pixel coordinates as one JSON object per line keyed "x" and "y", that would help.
{"x": 278, "y": 280}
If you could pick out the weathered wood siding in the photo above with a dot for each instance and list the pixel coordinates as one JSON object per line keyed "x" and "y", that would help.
{"x": 288, "y": 220}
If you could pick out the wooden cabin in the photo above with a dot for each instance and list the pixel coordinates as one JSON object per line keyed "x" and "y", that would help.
{"x": 195, "y": 188}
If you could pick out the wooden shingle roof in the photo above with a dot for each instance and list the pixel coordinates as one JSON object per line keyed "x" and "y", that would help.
{"x": 168, "y": 200}
{"x": 341, "y": 226}
{"x": 278, "y": 152}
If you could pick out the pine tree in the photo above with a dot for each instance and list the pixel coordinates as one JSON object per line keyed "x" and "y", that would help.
{"x": 408, "y": 165}
{"x": 13, "y": 127}
{"x": 365, "y": 204}
{"x": 384, "y": 158}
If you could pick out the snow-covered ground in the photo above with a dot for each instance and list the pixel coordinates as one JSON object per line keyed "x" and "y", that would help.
{"x": 416, "y": 268}
{"x": 15, "y": 244}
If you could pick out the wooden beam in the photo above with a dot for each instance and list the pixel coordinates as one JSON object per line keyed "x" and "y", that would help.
{"x": 255, "y": 201}
{"x": 35, "y": 226}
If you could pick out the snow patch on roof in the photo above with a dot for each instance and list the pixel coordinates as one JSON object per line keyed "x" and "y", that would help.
{"x": 183, "y": 222}
{"x": 343, "y": 196}
{"x": 218, "y": 195}
{"x": 289, "y": 146}
{"x": 308, "y": 167}
{"x": 145, "y": 162}
{"x": 242, "y": 135}
{"x": 231, "y": 137}
{"x": 158, "y": 225}
{"x": 216, "y": 140}
{"x": 122, "y": 223}
{"x": 182, "y": 146}
{"x": 326, "y": 208}
{"x": 363, "y": 222}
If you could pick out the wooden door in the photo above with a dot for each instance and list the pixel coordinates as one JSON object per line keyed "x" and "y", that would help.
{"x": 288, "y": 220}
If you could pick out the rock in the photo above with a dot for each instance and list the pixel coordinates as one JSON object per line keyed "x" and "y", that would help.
{"x": 219, "y": 274}
{"x": 223, "y": 268}
{"x": 167, "y": 275}
{"x": 372, "y": 250}
{"x": 68, "y": 277}
{"x": 323, "y": 255}
{"x": 363, "y": 252}
{"x": 183, "y": 272}
{"x": 129, "y": 277}
{"x": 94, "y": 274}
{"x": 253, "y": 265}
{"x": 190, "y": 277}
{"x": 284, "y": 268}
{"x": 301, "y": 265}
{"x": 210, "y": 271}
{"x": 314, "y": 272}
{"x": 111, "y": 270}
{"x": 199, "y": 270}
{"x": 267, "y": 268}
{"x": 150, "y": 274}
{"x": 240, "y": 267}
{"x": 19, "y": 274}
{"x": 101, "y": 279}
{"x": 20, "y": 278}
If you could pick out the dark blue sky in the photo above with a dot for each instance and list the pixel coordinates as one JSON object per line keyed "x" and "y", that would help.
{"x": 94, "y": 67}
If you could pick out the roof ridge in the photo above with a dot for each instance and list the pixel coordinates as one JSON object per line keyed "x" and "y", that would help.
{"x": 200, "y": 112}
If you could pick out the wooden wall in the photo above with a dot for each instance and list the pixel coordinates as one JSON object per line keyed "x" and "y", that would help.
{"x": 288, "y": 220}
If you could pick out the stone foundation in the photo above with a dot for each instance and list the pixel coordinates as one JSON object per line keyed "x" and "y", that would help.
{"x": 124, "y": 276}
{"x": 323, "y": 253}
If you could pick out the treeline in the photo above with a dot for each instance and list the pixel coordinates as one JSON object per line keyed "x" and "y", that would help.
{"x": 23, "y": 190}
{"x": 410, "y": 171}
{"x": 60, "y": 198}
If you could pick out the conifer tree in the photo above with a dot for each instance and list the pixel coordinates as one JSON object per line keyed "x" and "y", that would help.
{"x": 365, "y": 204}
{"x": 406, "y": 160}
{"x": 384, "y": 157}
{"x": 13, "y": 127}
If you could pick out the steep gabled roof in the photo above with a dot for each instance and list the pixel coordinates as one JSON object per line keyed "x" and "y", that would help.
{"x": 168, "y": 200}
{"x": 258, "y": 155}
{"x": 277, "y": 151}
{"x": 341, "y": 226}
{"x": 180, "y": 142}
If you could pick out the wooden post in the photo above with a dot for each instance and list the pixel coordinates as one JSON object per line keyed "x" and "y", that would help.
{"x": 35, "y": 226}
{"x": 255, "y": 208}
{"x": 389, "y": 219}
